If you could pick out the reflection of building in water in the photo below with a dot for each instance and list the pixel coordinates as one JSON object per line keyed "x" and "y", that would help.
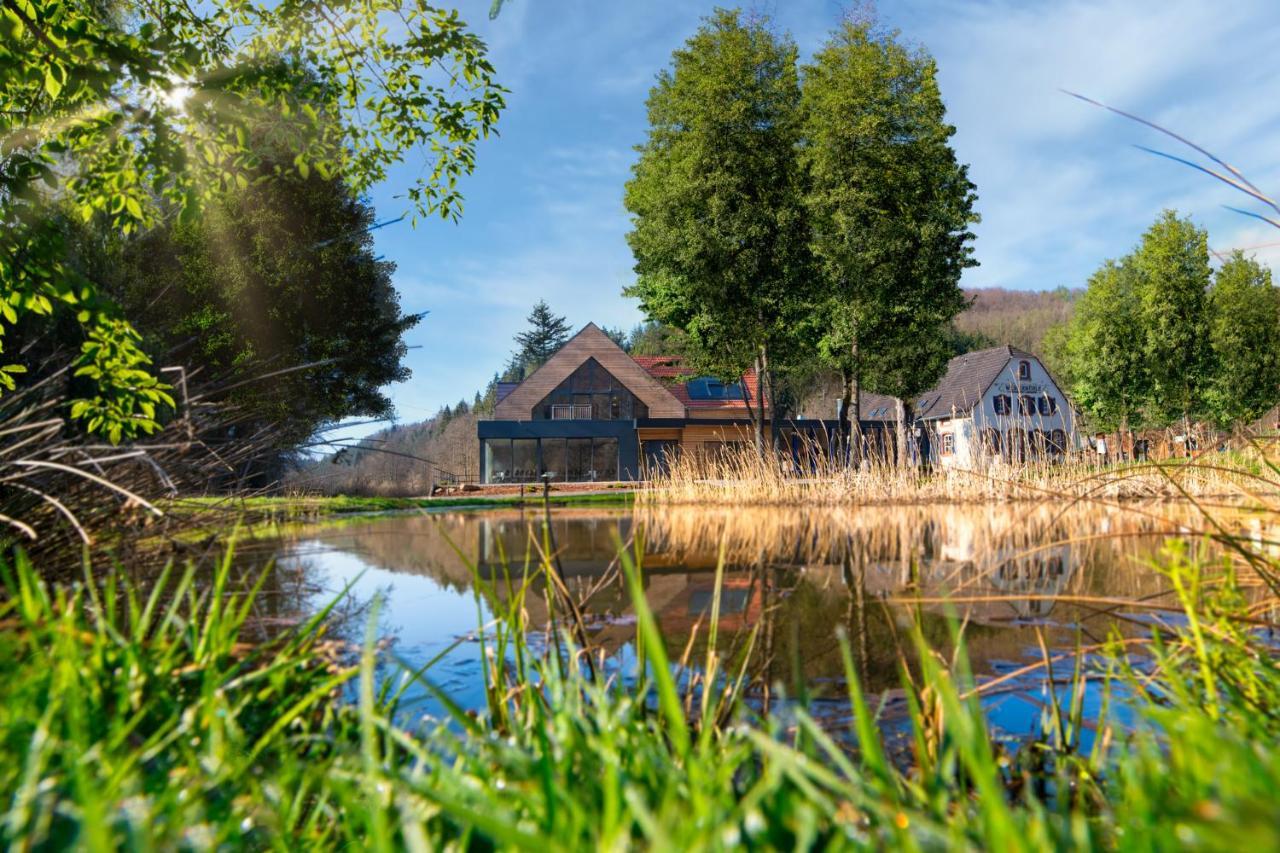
{"x": 797, "y": 575}
{"x": 584, "y": 543}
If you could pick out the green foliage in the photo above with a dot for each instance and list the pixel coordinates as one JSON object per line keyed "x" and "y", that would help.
{"x": 889, "y": 205}
{"x": 543, "y": 339}
{"x": 1244, "y": 338}
{"x": 719, "y": 233}
{"x": 127, "y": 395}
{"x": 277, "y": 280}
{"x": 130, "y": 110}
{"x": 654, "y": 338}
{"x": 961, "y": 341}
{"x": 1173, "y": 274}
{"x": 1159, "y": 339}
{"x": 1102, "y": 353}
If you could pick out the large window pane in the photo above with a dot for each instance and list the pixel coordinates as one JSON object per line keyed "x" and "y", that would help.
{"x": 605, "y": 460}
{"x": 497, "y": 459}
{"x": 578, "y": 464}
{"x": 524, "y": 460}
{"x": 553, "y": 457}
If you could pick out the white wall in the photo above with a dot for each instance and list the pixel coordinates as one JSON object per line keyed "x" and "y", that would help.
{"x": 967, "y": 430}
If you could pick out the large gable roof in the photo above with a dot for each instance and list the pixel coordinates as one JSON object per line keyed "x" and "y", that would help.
{"x": 967, "y": 378}
{"x": 588, "y": 343}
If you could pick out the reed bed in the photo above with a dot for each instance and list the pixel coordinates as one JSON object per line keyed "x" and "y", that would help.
{"x": 741, "y": 475}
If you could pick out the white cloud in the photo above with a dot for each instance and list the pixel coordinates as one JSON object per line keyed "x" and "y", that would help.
{"x": 1060, "y": 185}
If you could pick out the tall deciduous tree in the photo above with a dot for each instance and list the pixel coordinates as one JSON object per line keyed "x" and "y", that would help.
{"x": 1172, "y": 264}
{"x": 719, "y": 233}
{"x": 544, "y": 337}
{"x": 1101, "y": 351}
{"x": 130, "y": 110}
{"x": 890, "y": 210}
{"x": 1244, "y": 336}
{"x": 279, "y": 276}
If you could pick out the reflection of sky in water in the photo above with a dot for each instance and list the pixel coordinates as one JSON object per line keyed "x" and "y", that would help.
{"x": 428, "y": 603}
{"x": 418, "y": 616}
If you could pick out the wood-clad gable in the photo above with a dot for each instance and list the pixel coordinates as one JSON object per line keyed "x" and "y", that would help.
{"x": 589, "y": 343}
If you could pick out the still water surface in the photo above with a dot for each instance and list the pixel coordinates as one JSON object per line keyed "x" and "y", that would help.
{"x": 1012, "y": 573}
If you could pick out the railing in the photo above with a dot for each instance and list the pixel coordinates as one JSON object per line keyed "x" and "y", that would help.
{"x": 571, "y": 412}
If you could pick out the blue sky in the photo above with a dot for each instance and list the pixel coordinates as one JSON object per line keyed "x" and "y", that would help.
{"x": 1060, "y": 185}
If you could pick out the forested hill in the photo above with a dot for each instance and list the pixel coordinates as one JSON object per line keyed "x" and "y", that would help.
{"x": 395, "y": 460}
{"x": 1017, "y": 317}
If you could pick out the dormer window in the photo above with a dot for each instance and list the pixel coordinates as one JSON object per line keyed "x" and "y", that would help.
{"x": 1024, "y": 370}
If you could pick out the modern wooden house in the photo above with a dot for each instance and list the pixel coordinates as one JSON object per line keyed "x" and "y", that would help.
{"x": 594, "y": 413}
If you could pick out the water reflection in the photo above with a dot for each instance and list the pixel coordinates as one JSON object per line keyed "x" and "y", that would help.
{"x": 794, "y": 576}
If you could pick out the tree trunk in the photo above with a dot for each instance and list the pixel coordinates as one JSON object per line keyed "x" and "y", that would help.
{"x": 766, "y": 383}
{"x": 904, "y": 429}
{"x": 855, "y": 435}
{"x": 842, "y": 426}
{"x": 759, "y": 421}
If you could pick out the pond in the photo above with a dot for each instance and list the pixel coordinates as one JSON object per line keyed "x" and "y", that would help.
{"x": 1016, "y": 575}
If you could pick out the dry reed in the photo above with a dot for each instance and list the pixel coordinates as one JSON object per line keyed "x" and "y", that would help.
{"x": 741, "y": 476}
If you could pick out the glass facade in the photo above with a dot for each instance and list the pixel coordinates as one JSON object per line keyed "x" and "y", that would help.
{"x": 571, "y": 460}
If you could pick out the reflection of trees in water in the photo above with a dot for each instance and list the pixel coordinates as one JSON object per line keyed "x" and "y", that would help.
{"x": 799, "y": 575}
{"x": 294, "y": 587}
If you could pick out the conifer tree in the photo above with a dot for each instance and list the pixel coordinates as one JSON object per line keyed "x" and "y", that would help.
{"x": 546, "y": 334}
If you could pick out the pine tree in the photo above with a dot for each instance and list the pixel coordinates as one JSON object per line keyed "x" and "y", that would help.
{"x": 546, "y": 334}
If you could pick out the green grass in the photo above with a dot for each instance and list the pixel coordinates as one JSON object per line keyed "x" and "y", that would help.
{"x": 158, "y": 719}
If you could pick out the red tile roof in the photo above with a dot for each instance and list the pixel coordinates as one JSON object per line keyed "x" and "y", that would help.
{"x": 669, "y": 370}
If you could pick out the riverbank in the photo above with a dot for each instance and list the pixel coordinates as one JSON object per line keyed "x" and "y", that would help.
{"x": 304, "y": 506}
{"x": 209, "y": 728}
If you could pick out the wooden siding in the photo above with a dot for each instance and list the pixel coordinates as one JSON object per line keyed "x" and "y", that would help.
{"x": 652, "y": 434}
{"x": 590, "y": 342}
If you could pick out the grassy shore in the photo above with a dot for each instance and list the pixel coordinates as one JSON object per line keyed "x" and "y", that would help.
{"x": 166, "y": 717}
{"x": 306, "y": 506}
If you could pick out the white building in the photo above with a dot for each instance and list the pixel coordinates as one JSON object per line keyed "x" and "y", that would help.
{"x": 997, "y": 404}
